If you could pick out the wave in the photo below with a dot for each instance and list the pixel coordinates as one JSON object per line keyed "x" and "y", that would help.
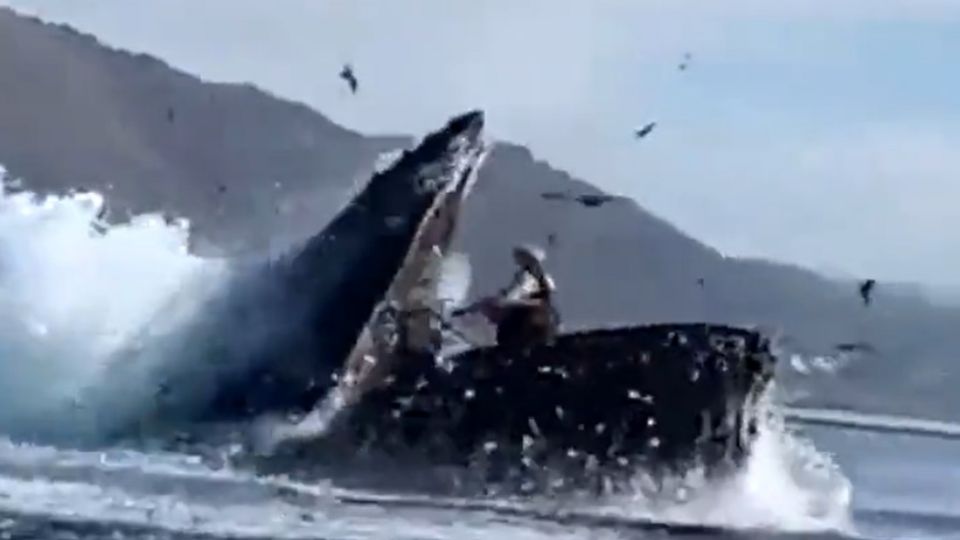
{"x": 786, "y": 485}
{"x": 75, "y": 291}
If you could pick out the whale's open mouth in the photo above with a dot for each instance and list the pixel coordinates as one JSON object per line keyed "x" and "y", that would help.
{"x": 277, "y": 337}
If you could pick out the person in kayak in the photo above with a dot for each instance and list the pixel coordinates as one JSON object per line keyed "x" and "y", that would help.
{"x": 523, "y": 312}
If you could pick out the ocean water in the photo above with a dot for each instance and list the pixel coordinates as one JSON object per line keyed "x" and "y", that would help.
{"x": 900, "y": 486}
{"x": 74, "y": 292}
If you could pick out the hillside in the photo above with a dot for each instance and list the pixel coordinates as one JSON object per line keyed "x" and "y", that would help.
{"x": 76, "y": 114}
{"x": 254, "y": 172}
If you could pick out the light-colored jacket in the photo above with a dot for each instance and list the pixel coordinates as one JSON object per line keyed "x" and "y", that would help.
{"x": 526, "y": 287}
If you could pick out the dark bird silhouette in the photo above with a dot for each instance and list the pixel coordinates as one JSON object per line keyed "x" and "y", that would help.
{"x": 552, "y": 239}
{"x": 163, "y": 390}
{"x": 221, "y": 188}
{"x": 645, "y": 130}
{"x": 866, "y": 290}
{"x": 171, "y": 115}
{"x": 685, "y": 63}
{"x": 593, "y": 201}
{"x": 590, "y": 201}
{"x": 859, "y": 346}
{"x": 555, "y": 196}
{"x": 347, "y": 75}
{"x": 700, "y": 282}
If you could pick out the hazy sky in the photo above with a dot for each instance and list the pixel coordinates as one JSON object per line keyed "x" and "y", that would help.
{"x": 820, "y": 132}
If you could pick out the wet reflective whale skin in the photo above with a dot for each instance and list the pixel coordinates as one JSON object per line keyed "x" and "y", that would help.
{"x": 330, "y": 287}
{"x": 273, "y": 340}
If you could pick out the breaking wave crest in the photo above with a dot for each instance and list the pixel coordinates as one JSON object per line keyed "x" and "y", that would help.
{"x": 74, "y": 291}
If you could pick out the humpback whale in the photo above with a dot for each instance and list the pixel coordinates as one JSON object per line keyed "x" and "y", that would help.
{"x": 355, "y": 313}
{"x": 274, "y": 338}
{"x": 328, "y": 289}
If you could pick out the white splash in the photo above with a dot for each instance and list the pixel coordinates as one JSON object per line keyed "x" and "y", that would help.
{"x": 786, "y": 485}
{"x": 268, "y": 432}
{"x": 72, "y": 292}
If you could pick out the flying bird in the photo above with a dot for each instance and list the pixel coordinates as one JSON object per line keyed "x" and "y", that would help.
{"x": 171, "y": 115}
{"x": 645, "y": 130}
{"x": 590, "y": 201}
{"x": 555, "y": 196}
{"x": 99, "y": 223}
{"x": 593, "y": 201}
{"x": 687, "y": 57}
{"x": 347, "y": 75}
{"x": 859, "y": 346}
{"x": 866, "y": 290}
